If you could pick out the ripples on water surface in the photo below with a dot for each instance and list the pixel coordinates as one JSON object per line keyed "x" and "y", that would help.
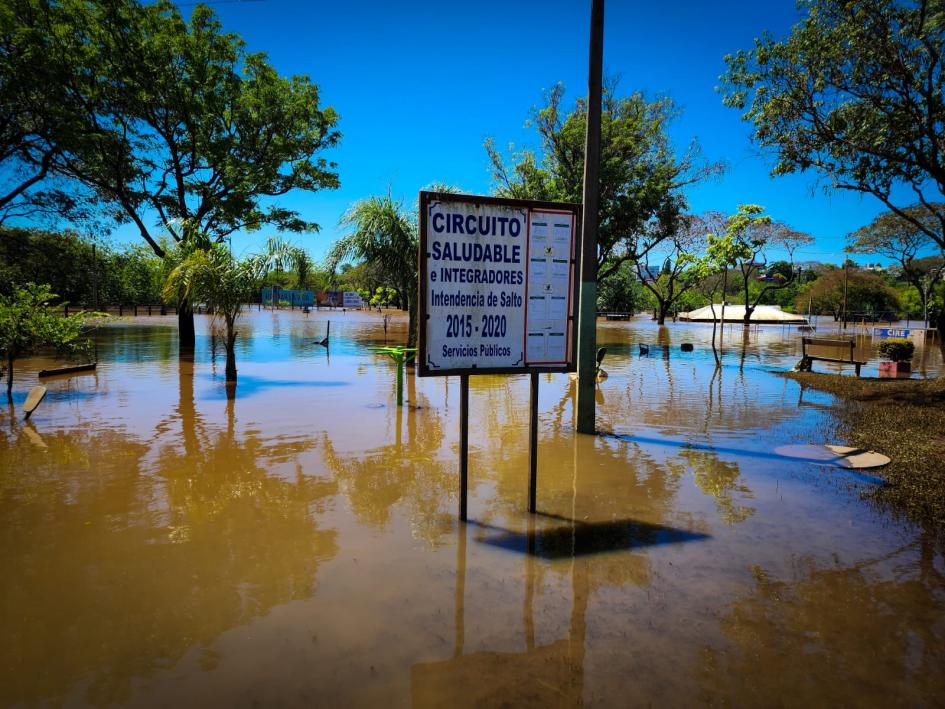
{"x": 161, "y": 544}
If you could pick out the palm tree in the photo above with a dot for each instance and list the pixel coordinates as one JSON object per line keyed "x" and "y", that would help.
{"x": 282, "y": 255}
{"x": 224, "y": 284}
{"x": 385, "y": 235}
{"x": 303, "y": 266}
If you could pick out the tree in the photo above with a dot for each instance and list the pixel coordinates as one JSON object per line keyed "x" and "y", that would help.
{"x": 722, "y": 253}
{"x": 187, "y": 133}
{"x": 26, "y": 325}
{"x": 620, "y": 291}
{"x": 865, "y": 292}
{"x": 383, "y": 234}
{"x": 678, "y": 274}
{"x": 62, "y": 260}
{"x": 79, "y": 269}
{"x": 854, "y": 92}
{"x": 758, "y": 239}
{"x": 303, "y": 266}
{"x": 40, "y": 59}
{"x": 641, "y": 178}
{"x": 896, "y": 238}
{"x": 224, "y": 284}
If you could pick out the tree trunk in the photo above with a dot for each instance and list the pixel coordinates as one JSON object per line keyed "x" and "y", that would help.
{"x": 746, "y": 319}
{"x": 661, "y": 313}
{"x": 408, "y": 302}
{"x": 10, "y": 374}
{"x": 187, "y": 338}
{"x": 412, "y": 322}
{"x": 715, "y": 352}
{"x": 230, "y": 353}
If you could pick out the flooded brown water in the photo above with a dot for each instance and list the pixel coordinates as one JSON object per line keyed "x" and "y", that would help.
{"x": 162, "y": 545}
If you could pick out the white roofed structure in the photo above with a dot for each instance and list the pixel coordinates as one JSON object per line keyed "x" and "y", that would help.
{"x": 762, "y": 315}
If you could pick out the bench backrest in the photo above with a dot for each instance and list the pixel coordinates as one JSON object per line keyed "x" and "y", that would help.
{"x": 846, "y": 345}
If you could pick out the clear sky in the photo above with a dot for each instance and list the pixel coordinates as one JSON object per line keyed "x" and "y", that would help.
{"x": 419, "y": 86}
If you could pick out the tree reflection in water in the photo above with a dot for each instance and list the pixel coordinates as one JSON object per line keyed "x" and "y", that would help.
{"x": 414, "y": 471}
{"x": 720, "y": 479}
{"x": 834, "y": 620}
{"x": 129, "y": 552}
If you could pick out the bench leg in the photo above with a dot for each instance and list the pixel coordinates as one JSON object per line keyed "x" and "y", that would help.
{"x": 857, "y": 370}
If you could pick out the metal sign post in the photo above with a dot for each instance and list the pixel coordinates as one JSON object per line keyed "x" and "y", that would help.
{"x": 498, "y": 290}
{"x": 463, "y": 443}
{"x": 533, "y": 444}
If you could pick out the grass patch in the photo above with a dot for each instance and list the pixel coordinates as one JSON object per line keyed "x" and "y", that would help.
{"x": 905, "y": 420}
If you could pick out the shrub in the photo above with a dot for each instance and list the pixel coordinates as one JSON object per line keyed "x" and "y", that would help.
{"x": 897, "y": 350}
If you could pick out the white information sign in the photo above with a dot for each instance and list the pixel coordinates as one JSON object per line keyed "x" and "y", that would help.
{"x": 350, "y": 299}
{"x": 497, "y": 285}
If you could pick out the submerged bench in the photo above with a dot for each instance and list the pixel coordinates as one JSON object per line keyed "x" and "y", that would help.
{"x": 843, "y": 348}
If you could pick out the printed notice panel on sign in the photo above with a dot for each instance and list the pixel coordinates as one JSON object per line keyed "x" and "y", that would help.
{"x": 550, "y": 256}
{"x": 496, "y": 285}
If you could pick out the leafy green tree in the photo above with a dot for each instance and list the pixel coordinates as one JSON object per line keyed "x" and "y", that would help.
{"x": 910, "y": 298}
{"x": 781, "y": 270}
{"x": 620, "y": 291}
{"x": 382, "y": 297}
{"x": 865, "y": 293}
{"x": 642, "y": 179}
{"x": 723, "y": 252}
{"x": 365, "y": 276}
{"x": 62, "y": 260}
{"x": 897, "y": 238}
{"x": 41, "y": 62}
{"x": 678, "y": 274}
{"x": 224, "y": 284}
{"x": 79, "y": 270}
{"x": 384, "y": 234}
{"x": 855, "y": 93}
{"x": 758, "y": 239}
{"x": 26, "y": 325}
{"x": 303, "y": 267}
{"x": 189, "y": 134}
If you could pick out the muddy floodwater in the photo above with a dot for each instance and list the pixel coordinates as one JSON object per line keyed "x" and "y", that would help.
{"x": 163, "y": 545}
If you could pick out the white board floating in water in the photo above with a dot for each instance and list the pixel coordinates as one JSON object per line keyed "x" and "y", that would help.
{"x": 32, "y": 400}
{"x": 843, "y": 456}
{"x": 858, "y": 458}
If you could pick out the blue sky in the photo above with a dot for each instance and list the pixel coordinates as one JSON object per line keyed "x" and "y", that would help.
{"x": 419, "y": 86}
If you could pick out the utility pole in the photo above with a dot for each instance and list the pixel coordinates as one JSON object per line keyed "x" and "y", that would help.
{"x": 846, "y": 277}
{"x": 587, "y": 316}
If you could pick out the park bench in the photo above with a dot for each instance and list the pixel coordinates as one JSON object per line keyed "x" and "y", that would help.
{"x": 843, "y": 353}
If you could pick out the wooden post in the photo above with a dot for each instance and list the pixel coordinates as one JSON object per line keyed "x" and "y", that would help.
{"x": 463, "y": 442}
{"x": 533, "y": 444}
{"x": 587, "y": 320}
